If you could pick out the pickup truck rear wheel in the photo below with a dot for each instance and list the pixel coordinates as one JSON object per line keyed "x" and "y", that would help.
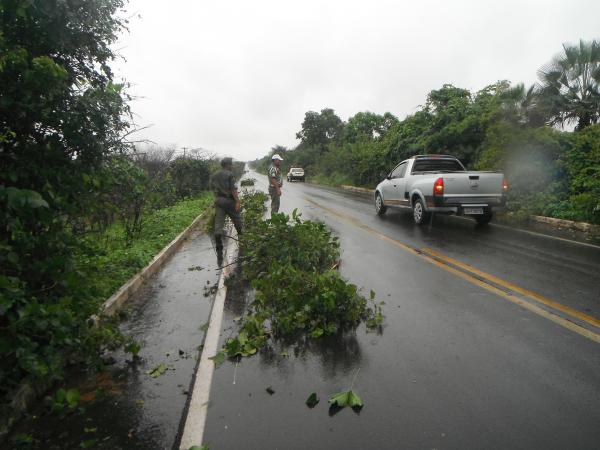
{"x": 380, "y": 208}
{"x": 420, "y": 216}
{"x": 483, "y": 219}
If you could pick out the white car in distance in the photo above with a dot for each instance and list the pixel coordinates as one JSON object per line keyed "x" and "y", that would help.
{"x": 295, "y": 173}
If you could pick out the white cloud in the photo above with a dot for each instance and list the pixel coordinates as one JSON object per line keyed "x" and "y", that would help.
{"x": 236, "y": 77}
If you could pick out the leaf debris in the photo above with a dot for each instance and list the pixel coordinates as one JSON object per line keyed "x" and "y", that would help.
{"x": 346, "y": 398}
{"x": 312, "y": 400}
{"x": 218, "y": 359}
{"x": 158, "y": 370}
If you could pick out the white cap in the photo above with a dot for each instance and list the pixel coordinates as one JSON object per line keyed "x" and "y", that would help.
{"x": 276, "y": 156}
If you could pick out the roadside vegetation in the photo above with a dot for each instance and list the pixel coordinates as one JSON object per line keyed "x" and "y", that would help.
{"x": 292, "y": 265}
{"x": 120, "y": 257}
{"x": 505, "y": 126}
{"x": 82, "y": 207}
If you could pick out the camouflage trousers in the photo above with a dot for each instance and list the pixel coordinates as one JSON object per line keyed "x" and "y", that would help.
{"x": 226, "y": 207}
{"x": 275, "y": 200}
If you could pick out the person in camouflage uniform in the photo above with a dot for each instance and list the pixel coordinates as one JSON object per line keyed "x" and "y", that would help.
{"x": 275, "y": 183}
{"x": 227, "y": 202}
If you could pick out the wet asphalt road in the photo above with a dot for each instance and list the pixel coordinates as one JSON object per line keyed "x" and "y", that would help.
{"x": 456, "y": 366}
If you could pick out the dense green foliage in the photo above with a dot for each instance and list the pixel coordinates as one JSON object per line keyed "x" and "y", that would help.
{"x": 581, "y": 163}
{"x": 78, "y": 204}
{"x": 319, "y": 129}
{"x": 120, "y": 258}
{"x": 501, "y": 127}
{"x": 291, "y": 264}
{"x": 61, "y": 115}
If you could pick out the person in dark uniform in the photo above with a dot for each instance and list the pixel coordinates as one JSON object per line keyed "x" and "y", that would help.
{"x": 227, "y": 202}
{"x": 275, "y": 183}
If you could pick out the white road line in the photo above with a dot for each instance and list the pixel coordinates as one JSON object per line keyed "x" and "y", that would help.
{"x": 195, "y": 421}
{"x": 548, "y": 236}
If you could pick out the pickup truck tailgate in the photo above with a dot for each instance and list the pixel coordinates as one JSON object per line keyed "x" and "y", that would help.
{"x": 473, "y": 187}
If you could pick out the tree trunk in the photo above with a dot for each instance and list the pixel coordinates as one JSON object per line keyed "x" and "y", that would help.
{"x": 583, "y": 122}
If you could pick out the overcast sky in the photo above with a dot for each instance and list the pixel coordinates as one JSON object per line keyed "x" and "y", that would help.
{"x": 236, "y": 77}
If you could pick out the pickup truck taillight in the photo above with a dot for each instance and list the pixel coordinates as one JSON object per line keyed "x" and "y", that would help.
{"x": 438, "y": 187}
{"x": 504, "y": 185}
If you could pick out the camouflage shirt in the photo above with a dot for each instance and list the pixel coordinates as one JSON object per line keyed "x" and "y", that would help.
{"x": 275, "y": 172}
{"x": 222, "y": 183}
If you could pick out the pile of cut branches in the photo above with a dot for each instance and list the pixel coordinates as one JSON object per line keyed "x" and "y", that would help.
{"x": 291, "y": 264}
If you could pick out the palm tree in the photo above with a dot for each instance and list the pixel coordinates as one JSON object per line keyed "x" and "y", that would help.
{"x": 569, "y": 85}
{"x": 522, "y": 105}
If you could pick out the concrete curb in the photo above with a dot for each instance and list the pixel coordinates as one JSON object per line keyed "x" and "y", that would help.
{"x": 195, "y": 418}
{"x": 112, "y": 305}
{"x": 357, "y": 189}
{"x": 562, "y": 224}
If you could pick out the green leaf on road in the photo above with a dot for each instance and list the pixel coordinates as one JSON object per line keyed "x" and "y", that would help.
{"x": 195, "y": 447}
{"x": 132, "y": 347}
{"x": 218, "y": 359}
{"x": 347, "y": 398}
{"x": 312, "y": 400}
{"x": 157, "y": 371}
{"x": 270, "y": 390}
{"x": 204, "y": 327}
{"x": 242, "y": 345}
{"x": 73, "y": 398}
{"x": 23, "y": 439}
{"x": 317, "y": 332}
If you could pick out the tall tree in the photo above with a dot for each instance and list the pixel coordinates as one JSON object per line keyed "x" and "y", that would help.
{"x": 367, "y": 126}
{"x": 319, "y": 129}
{"x": 280, "y": 150}
{"x": 521, "y": 105}
{"x": 570, "y": 85}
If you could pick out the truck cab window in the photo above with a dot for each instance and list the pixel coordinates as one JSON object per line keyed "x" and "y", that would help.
{"x": 433, "y": 165}
{"x": 399, "y": 171}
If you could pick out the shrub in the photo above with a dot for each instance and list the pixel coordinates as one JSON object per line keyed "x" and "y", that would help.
{"x": 291, "y": 265}
{"x": 582, "y": 163}
{"x": 61, "y": 116}
{"x": 190, "y": 176}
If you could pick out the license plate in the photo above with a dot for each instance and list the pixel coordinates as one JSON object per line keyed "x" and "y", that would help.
{"x": 473, "y": 211}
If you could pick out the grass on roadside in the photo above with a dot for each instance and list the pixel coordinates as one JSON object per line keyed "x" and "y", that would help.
{"x": 108, "y": 260}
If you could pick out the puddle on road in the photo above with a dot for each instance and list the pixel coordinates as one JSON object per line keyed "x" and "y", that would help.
{"x": 124, "y": 407}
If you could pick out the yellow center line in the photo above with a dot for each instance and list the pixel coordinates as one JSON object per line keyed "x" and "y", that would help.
{"x": 442, "y": 261}
{"x": 513, "y": 287}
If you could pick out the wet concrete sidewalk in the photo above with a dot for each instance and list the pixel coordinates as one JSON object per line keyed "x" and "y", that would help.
{"x": 125, "y": 407}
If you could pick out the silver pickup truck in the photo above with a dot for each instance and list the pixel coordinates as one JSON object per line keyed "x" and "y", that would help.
{"x": 440, "y": 183}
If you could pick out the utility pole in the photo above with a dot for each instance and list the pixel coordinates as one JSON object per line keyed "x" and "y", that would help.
{"x": 193, "y": 150}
